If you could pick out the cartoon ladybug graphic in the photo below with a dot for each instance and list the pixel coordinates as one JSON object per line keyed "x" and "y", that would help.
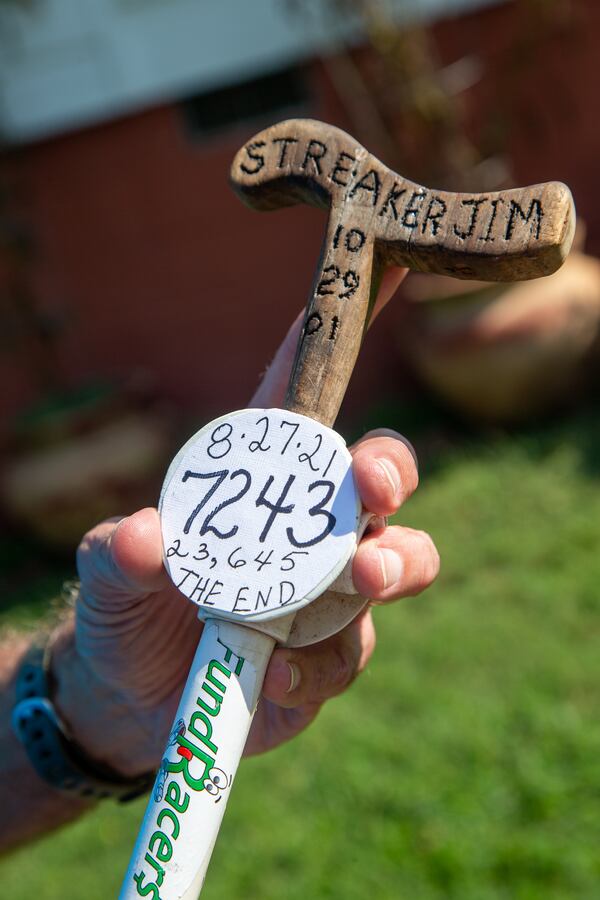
{"x": 161, "y": 778}
{"x": 215, "y": 782}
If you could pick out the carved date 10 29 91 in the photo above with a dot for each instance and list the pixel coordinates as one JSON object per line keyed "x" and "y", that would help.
{"x": 338, "y": 280}
{"x": 378, "y": 218}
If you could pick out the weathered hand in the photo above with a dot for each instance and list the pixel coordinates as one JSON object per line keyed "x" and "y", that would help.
{"x": 135, "y": 634}
{"x": 390, "y": 563}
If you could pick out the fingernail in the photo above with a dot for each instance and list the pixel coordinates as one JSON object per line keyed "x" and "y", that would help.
{"x": 391, "y": 566}
{"x": 294, "y": 677}
{"x": 391, "y": 473}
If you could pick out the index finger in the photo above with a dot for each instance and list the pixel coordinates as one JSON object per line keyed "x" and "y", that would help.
{"x": 385, "y": 469}
{"x": 271, "y": 390}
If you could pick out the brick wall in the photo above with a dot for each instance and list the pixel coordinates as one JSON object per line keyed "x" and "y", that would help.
{"x": 153, "y": 264}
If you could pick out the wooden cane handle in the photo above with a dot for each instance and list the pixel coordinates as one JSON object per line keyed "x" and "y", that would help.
{"x": 378, "y": 218}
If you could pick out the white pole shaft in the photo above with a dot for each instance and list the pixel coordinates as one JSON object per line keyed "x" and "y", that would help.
{"x": 185, "y": 810}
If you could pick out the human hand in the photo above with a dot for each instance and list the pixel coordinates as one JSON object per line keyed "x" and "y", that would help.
{"x": 121, "y": 673}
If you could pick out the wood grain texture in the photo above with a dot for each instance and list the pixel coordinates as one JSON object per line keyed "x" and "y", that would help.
{"x": 377, "y": 218}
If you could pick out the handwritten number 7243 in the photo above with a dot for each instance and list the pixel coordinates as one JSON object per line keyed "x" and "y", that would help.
{"x": 276, "y": 507}
{"x": 317, "y": 510}
{"x": 220, "y": 478}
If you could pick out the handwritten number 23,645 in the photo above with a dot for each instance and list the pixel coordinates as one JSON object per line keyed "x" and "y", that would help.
{"x": 276, "y": 507}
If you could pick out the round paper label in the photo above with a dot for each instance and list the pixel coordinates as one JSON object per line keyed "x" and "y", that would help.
{"x": 259, "y": 513}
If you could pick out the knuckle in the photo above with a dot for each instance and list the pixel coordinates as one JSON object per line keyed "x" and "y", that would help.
{"x": 88, "y": 546}
{"x": 378, "y": 433}
{"x": 95, "y": 564}
{"x": 336, "y": 674}
{"x": 428, "y": 562}
{"x": 434, "y": 567}
{"x": 423, "y": 539}
{"x": 97, "y": 535}
{"x": 407, "y": 467}
{"x": 368, "y": 642}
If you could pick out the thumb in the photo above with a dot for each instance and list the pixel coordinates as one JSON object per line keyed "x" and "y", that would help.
{"x": 122, "y": 559}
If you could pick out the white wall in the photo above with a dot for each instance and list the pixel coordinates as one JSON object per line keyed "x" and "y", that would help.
{"x": 68, "y": 63}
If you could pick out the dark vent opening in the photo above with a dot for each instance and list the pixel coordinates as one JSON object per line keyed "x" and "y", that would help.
{"x": 262, "y": 100}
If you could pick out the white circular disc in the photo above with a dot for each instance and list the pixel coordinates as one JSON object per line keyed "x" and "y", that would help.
{"x": 259, "y": 514}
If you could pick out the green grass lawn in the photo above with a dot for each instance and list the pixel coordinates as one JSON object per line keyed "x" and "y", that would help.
{"x": 466, "y": 762}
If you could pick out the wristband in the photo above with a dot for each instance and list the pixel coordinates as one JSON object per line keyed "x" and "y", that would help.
{"x": 56, "y": 758}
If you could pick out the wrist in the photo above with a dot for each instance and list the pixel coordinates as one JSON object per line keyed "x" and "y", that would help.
{"x": 96, "y": 716}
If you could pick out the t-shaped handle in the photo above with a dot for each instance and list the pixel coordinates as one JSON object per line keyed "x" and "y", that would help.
{"x": 378, "y": 218}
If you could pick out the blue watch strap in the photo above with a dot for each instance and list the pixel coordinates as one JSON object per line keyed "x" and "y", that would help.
{"x": 56, "y": 758}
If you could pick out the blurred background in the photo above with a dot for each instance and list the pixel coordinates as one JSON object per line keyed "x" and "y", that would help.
{"x": 139, "y": 299}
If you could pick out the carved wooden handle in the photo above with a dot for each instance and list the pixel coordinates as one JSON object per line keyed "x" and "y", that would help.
{"x": 378, "y": 218}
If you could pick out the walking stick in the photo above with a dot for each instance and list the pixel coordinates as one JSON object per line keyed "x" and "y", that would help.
{"x": 260, "y": 513}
